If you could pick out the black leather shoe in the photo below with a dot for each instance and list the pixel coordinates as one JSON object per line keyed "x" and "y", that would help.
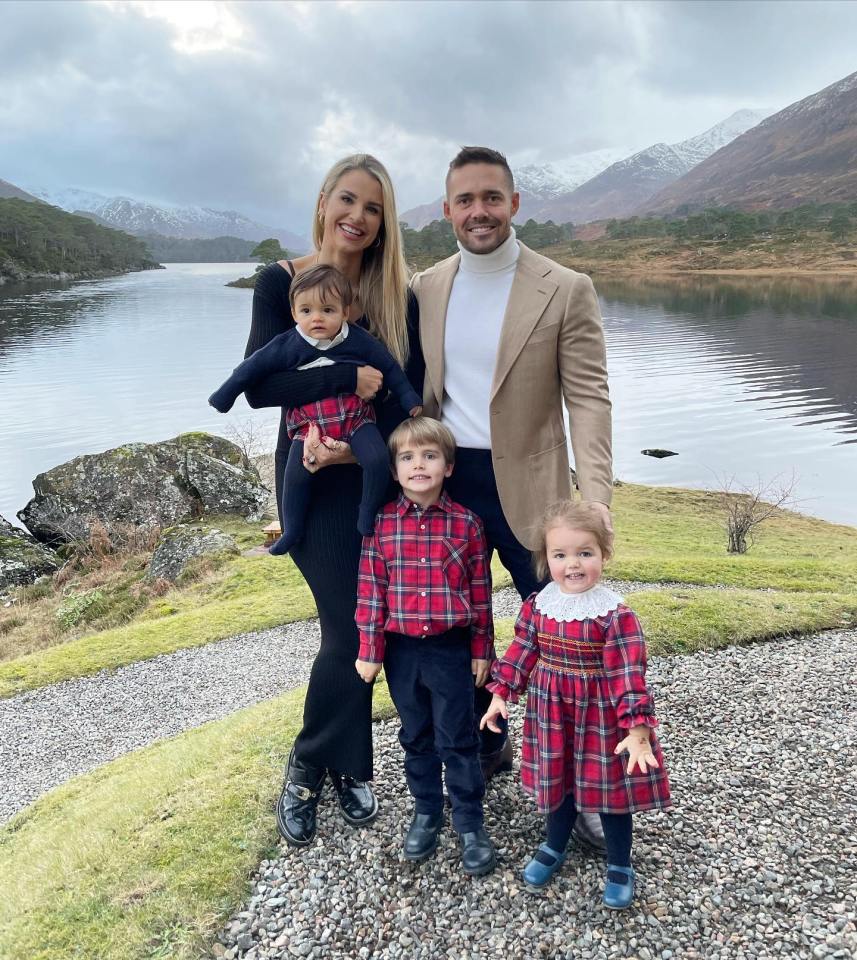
{"x": 421, "y": 839}
{"x": 296, "y": 808}
{"x": 477, "y": 853}
{"x": 358, "y": 803}
{"x": 498, "y": 762}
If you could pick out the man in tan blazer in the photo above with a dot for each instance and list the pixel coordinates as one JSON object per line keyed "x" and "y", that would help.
{"x": 508, "y": 335}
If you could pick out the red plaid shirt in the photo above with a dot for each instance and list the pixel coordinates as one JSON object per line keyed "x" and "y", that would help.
{"x": 422, "y": 573}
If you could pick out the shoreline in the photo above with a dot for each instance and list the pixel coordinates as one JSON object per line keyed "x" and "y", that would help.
{"x": 63, "y": 277}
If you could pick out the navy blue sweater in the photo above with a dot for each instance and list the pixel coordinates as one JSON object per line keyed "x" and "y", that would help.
{"x": 289, "y": 350}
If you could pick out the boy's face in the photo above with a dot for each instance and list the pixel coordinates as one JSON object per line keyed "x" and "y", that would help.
{"x": 421, "y": 470}
{"x": 319, "y": 318}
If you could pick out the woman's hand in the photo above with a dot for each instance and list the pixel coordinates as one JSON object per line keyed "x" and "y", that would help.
{"x": 367, "y": 670}
{"x": 497, "y": 708}
{"x": 369, "y": 382}
{"x": 322, "y": 451}
{"x": 639, "y": 749}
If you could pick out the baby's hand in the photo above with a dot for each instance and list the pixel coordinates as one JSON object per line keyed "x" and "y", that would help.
{"x": 221, "y": 403}
{"x": 479, "y": 668}
{"x": 367, "y": 670}
{"x": 497, "y": 708}
{"x": 416, "y": 411}
{"x": 639, "y": 749}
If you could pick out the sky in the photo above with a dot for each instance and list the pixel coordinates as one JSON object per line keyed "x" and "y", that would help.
{"x": 243, "y": 106}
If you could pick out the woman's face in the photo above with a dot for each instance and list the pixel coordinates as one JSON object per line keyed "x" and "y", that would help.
{"x": 354, "y": 212}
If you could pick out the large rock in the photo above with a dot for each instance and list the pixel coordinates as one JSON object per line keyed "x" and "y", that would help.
{"x": 22, "y": 559}
{"x": 180, "y": 544}
{"x": 146, "y": 484}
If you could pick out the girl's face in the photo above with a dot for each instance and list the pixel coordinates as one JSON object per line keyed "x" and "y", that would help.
{"x": 574, "y": 558}
{"x": 353, "y": 213}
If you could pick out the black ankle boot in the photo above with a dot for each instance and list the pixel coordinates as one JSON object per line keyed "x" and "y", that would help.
{"x": 296, "y": 808}
{"x": 357, "y": 802}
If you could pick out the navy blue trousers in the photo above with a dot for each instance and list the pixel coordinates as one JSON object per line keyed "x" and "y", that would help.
{"x": 432, "y": 687}
{"x": 474, "y": 486}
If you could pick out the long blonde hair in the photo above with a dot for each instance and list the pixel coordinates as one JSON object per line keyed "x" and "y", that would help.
{"x": 383, "y": 287}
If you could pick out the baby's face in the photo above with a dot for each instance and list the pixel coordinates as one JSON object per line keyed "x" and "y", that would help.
{"x": 320, "y": 318}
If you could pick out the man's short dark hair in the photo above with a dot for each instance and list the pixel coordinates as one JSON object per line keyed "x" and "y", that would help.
{"x": 328, "y": 280}
{"x": 467, "y": 155}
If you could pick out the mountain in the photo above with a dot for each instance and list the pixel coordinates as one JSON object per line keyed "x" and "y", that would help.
{"x": 9, "y": 191}
{"x": 138, "y": 217}
{"x": 622, "y": 188}
{"x": 806, "y": 153}
{"x": 536, "y": 183}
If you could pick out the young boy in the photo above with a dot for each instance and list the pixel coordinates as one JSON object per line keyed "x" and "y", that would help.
{"x": 320, "y": 298}
{"x": 424, "y": 611}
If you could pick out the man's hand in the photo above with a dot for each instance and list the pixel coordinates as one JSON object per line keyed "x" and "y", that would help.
{"x": 369, "y": 382}
{"x": 415, "y": 412}
{"x": 639, "y": 749}
{"x": 497, "y": 708}
{"x": 367, "y": 670}
{"x": 479, "y": 669}
{"x": 604, "y": 510}
{"x": 322, "y": 451}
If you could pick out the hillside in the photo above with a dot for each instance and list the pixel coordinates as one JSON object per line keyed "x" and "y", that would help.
{"x": 38, "y": 240}
{"x": 9, "y": 190}
{"x": 806, "y": 153}
{"x": 208, "y": 250}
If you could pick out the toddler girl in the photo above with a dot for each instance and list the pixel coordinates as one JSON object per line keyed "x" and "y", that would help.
{"x": 582, "y": 652}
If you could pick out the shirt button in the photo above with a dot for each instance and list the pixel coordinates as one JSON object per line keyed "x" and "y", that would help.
{"x": 426, "y": 629}
{"x": 422, "y": 559}
{"x": 422, "y": 526}
{"x": 423, "y": 593}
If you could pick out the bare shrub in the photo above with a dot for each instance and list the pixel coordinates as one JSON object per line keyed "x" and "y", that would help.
{"x": 251, "y": 438}
{"x": 746, "y": 506}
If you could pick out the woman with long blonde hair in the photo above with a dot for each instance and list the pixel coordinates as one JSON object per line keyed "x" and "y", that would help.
{"x": 356, "y": 229}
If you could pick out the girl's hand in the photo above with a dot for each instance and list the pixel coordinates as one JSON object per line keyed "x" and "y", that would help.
{"x": 639, "y": 749}
{"x": 479, "y": 668}
{"x": 367, "y": 670}
{"x": 369, "y": 382}
{"x": 497, "y": 708}
{"x": 322, "y": 451}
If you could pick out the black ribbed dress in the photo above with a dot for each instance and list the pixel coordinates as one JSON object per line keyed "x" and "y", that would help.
{"x": 337, "y": 727}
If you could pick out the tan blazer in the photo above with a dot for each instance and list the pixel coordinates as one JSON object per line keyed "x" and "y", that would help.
{"x": 551, "y": 346}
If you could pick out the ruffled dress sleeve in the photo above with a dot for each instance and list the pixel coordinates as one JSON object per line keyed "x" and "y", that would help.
{"x": 625, "y": 670}
{"x": 511, "y": 672}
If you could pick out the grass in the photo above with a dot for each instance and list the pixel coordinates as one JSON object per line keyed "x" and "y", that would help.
{"x": 662, "y": 535}
{"x": 147, "y": 856}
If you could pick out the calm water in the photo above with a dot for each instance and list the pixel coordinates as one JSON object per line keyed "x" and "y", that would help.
{"x": 743, "y": 379}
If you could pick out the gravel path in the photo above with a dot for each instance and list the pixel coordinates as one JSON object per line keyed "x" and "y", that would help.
{"x": 758, "y": 860}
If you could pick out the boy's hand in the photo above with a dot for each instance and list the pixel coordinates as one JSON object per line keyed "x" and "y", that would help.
{"x": 416, "y": 411}
{"x": 639, "y": 749}
{"x": 368, "y": 670}
{"x": 497, "y": 708}
{"x": 479, "y": 669}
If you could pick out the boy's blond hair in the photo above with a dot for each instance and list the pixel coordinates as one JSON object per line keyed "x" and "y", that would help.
{"x": 578, "y": 516}
{"x": 423, "y": 431}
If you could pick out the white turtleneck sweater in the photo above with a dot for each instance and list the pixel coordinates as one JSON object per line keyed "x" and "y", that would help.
{"x": 474, "y": 318}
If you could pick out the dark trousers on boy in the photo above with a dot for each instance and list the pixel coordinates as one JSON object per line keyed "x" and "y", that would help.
{"x": 432, "y": 687}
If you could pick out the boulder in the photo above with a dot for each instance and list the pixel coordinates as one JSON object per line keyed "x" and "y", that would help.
{"x": 146, "y": 484}
{"x": 180, "y": 544}
{"x": 22, "y": 559}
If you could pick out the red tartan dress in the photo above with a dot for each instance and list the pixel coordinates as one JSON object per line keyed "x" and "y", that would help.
{"x": 587, "y": 686}
{"x": 337, "y": 417}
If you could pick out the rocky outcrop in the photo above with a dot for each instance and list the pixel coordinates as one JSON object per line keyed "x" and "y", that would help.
{"x": 180, "y": 544}
{"x": 22, "y": 559}
{"x": 145, "y": 484}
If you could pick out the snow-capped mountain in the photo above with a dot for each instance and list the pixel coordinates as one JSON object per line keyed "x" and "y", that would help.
{"x": 138, "y": 217}
{"x": 806, "y": 153}
{"x": 625, "y": 186}
{"x": 536, "y": 183}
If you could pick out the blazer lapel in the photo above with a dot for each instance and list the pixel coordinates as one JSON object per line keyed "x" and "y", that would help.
{"x": 530, "y": 294}
{"x": 436, "y": 288}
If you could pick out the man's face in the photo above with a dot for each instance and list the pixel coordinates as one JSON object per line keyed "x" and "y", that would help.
{"x": 480, "y": 205}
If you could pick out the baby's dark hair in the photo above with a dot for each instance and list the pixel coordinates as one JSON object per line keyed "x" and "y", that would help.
{"x": 578, "y": 516}
{"x": 328, "y": 280}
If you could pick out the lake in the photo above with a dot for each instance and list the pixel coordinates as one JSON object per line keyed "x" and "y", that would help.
{"x": 748, "y": 380}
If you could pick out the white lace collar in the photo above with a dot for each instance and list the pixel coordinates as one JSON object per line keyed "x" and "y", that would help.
{"x": 598, "y": 601}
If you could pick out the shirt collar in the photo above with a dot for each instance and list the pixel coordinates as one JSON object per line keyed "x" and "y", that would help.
{"x": 325, "y": 344}
{"x": 503, "y": 258}
{"x": 405, "y": 504}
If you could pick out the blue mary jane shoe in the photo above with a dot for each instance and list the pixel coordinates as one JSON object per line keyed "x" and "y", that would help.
{"x": 538, "y": 874}
{"x": 618, "y": 896}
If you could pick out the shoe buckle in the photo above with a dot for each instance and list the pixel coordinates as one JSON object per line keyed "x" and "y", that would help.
{"x": 301, "y": 792}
